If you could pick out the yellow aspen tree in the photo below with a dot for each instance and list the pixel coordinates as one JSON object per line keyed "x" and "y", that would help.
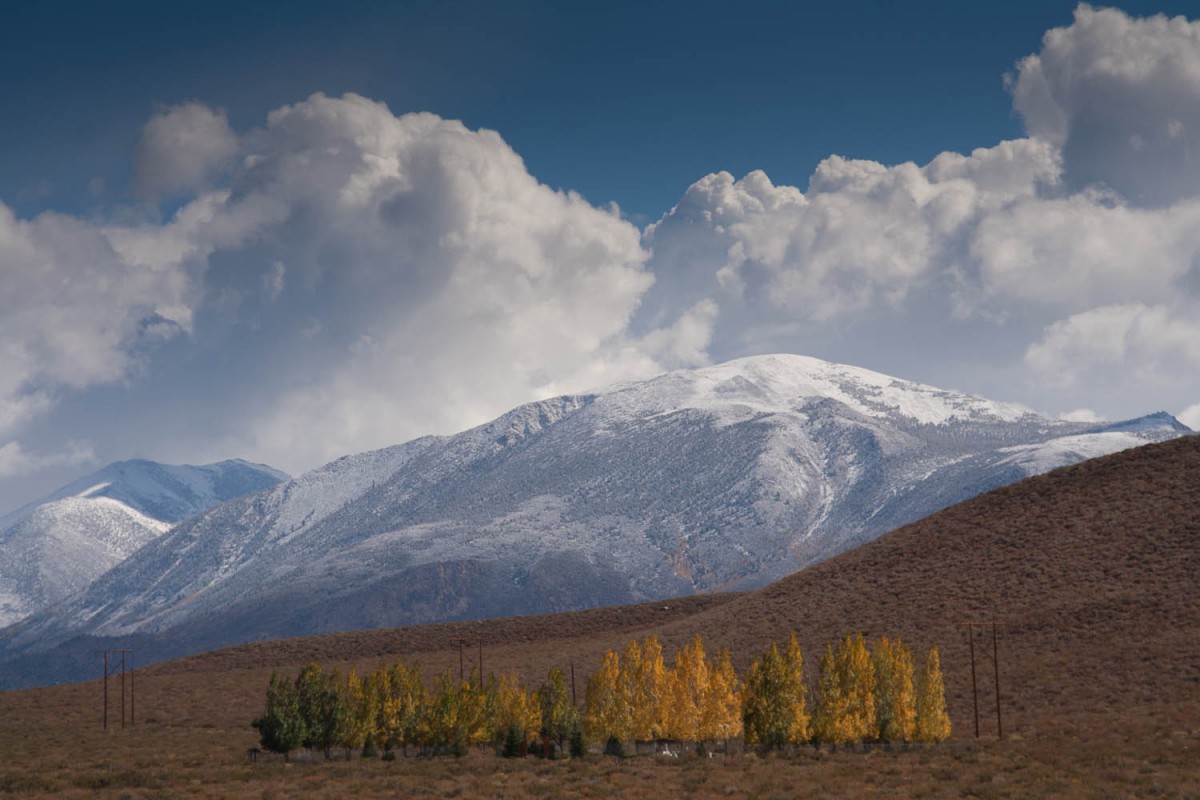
{"x": 375, "y": 693}
{"x": 606, "y": 712}
{"x": 774, "y": 697}
{"x": 351, "y": 730}
{"x": 827, "y": 723}
{"x": 532, "y": 715}
{"x": 560, "y": 718}
{"x": 474, "y": 724}
{"x": 721, "y": 713}
{"x": 441, "y": 714}
{"x": 858, "y": 677}
{"x": 389, "y": 683}
{"x": 629, "y": 692}
{"x": 847, "y": 689}
{"x": 933, "y": 723}
{"x": 643, "y": 682}
{"x": 795, "y": 694}
{"x": 687, "y": 683}
{"x": 895, "y": 698}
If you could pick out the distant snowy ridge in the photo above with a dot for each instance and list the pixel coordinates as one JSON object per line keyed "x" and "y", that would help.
{"x": 56, "y": 546}
{"x": 697, "y": 480}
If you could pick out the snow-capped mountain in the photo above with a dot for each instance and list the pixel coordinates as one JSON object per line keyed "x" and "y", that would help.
{"x": 59, "y": 544}
{"x": 697, "y": 480}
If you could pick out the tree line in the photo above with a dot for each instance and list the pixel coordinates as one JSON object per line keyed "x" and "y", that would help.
{"x": 863, "y": 695}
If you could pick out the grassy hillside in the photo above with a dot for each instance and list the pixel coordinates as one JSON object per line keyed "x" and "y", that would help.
{"x": 1092, "y": 571}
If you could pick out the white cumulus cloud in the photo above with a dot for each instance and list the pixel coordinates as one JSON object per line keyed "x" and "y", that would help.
{"x": 1150, "y": 343}
{"x": 1120, "y": 96}
{"x": 180, "y": 148}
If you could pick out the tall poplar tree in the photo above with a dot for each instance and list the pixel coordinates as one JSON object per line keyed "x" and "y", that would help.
{"x": 774, "y": 697}
{"x": 607, "y": 712}
{"x": 721, "y": 712}
{"x": 847, "y": 688}
{"x": 933, "y": 723}
{"x": 560, "y": 718}
{"x": 686, "y": 685}
{"x": 895, "y": 698}
{"x": 642, "y": 684}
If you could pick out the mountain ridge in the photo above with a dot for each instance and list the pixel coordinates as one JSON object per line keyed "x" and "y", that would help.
{"x": 725, "y": 477}
{"x": 57, "y": 545}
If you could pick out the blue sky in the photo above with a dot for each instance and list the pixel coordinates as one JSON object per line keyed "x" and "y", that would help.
{"x": 626, "y": 102}
{"x": 187, "y": 278}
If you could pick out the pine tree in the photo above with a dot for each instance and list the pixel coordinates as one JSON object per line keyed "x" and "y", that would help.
{"x": 895, "y": 699}
{"x": 933, "y": 723}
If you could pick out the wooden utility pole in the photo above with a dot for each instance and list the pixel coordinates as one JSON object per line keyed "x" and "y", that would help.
{"x": 125, "y": 667}
{"x": 974, "y": 691}
{"x": 970, "y": 626}
{"x": 996, "y": 664}
{"x": 105, "y": 690}
{"x": 122, "y": 688}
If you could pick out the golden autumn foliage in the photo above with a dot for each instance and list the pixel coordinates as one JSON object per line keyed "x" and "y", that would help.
{"x": 932, "y": 722}
{"x": 895, "y": 697}
{"x": 721, "y": 712}
{"x": 847, "y": 689}
{"x": 863, "y": 695}
{"x": 774, "y": 698}
{"x": 607, "y": 713}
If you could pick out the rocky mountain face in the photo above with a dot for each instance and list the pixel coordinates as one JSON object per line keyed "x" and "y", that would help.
{"x": 702, "y": 480}
{"x": 58, "y": 545}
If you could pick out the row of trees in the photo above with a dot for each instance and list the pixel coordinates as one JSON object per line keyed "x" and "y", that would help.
{"x": 393, "y": 709}
{"x": 863, "y": 694}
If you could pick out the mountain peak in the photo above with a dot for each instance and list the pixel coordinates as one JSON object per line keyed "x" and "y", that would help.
{"x": 59, "y": 544}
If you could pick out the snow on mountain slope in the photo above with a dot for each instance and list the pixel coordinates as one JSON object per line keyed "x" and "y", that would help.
{"x": 58, "y": 545}
{"x": 697, "y": 480}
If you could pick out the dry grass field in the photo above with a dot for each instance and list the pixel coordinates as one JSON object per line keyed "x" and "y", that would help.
{"x": 1093, "y": 573}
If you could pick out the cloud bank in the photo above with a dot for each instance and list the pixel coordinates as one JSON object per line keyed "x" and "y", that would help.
{"x": 343, "y": 277}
